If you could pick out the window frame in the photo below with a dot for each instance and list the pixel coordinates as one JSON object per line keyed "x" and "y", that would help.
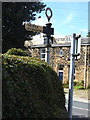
{"x": 61, "y": 51}
{"x": 43, "y": 53}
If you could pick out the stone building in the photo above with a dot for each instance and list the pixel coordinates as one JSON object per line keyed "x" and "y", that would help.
{"x": 60, "y": 60}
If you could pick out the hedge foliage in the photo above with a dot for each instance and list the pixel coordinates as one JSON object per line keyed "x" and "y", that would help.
{"x": 15, "y": 51}
{"x": 31, "y": 89}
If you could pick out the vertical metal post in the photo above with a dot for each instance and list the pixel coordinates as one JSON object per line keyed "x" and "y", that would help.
{"x": 0, "y": 60}
{"x": 85, "y": 67}
{"x": 48, "y": 55}
{"x": 70, "y": 100}
{"x": 48, "y": 51}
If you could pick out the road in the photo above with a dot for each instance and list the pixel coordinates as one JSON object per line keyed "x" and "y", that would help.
{"x": 80, "y": 109}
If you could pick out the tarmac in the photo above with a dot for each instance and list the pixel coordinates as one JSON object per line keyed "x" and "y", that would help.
{"x": 82, "y": 95}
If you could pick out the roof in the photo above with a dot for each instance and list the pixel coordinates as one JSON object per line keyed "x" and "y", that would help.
{"x": 84, "y": 41}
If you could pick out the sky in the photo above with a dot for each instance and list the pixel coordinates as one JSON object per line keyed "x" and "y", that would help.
{"x": 68, "y": 18}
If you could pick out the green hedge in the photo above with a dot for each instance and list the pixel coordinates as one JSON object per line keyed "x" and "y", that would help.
{"x": 15, "y": 51}
{"x": 31, "y": 89}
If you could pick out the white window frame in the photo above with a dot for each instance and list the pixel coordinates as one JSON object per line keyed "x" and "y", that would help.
{"x": 59, "y": 71}
{"x": 43, "y": 54}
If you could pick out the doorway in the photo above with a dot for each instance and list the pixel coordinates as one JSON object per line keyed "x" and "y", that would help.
{"x": 60, "y": 74}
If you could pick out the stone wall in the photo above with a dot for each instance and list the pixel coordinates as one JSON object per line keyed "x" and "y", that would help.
{"x": 57, "y": 62}
{"x": 88, "y": 66}
{"x": 88, "y": 76}
{"x": 35, "y": 52}
{"x": 80, "y": 66}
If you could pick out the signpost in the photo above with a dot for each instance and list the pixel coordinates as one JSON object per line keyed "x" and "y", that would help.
{"x": 49, "y": 17}
{"x": 33, "y": 27}
{"x": 74, "y": 53}
{"x": 49, "y": 31}
{"x": 44, "y": 29}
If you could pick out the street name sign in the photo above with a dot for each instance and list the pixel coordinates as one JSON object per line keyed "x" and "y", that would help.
{"x": 33, "y": 27}
{"x": 37, "y": 28}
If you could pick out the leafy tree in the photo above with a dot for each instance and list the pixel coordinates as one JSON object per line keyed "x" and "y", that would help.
{"x": 13, "y": 15}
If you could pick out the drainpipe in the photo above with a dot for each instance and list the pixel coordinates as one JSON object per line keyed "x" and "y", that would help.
{"x": 85, "y": 67}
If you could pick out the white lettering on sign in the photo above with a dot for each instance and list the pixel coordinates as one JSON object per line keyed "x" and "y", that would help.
{"x": 33, "y": 27}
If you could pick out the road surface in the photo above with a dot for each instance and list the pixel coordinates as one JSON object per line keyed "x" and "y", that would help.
{"x": 80, "y": 109}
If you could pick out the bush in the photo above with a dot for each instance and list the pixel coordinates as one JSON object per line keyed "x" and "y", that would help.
{"x": 88, "y": 87}
{"x": 82, "y": 83}
{"x": 31, "y": 89}
{"x": 76, "y": 85}
{"x": 66, "y": 85}
{"x": 14, "y": 51}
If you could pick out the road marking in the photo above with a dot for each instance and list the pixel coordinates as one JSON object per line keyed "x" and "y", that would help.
{"x": 79, "y": 99}
{"x": 78, "y": 108}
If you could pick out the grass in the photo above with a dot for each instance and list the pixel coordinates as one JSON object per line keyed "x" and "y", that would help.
{"x": 76, "y": 85}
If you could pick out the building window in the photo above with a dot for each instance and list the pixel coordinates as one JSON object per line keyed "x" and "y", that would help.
{"x": 61, "y": 53}
{"x": 43, "y": 54}
{"x": 60, "y": 73}
{"x": 45, "y": 40}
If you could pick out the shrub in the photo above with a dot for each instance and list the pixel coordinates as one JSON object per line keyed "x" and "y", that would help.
{"x": 76, "y": 84}
{"x": 88, "y": 87}
{"x": 31, "y": 89}
{"x": 66, "y": 85}
{"x": 82, "y": 83}
{"x": 14, "y": 51}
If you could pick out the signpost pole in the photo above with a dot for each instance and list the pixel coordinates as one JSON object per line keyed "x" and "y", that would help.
{"x": 75, "y": 51}
{"x": 70, "y": 100}
{"x": 44, "y": 29}
{"x": 48, "y": 26}
{"x": 48, "y": 55}
{"x": 48, "y": 51}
